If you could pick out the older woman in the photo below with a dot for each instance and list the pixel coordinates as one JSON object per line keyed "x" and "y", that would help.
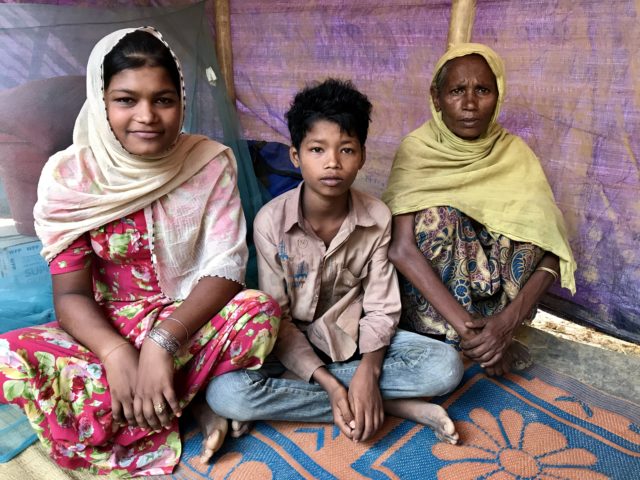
{"x": 477, "y": 235}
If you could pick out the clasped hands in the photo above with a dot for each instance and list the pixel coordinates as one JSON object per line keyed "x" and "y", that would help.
{"x": 358, "y": 412}
{"x": 141, "y": 387}
{"x": 486, "y": 340}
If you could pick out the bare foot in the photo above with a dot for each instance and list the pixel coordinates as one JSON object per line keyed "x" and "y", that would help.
{"x": 214, "y": 429}
{"x": 516, "y": 358}
{"x": 429, "y": 414}
{"x": 239, "y": 428}
{"x": 519, "y": 355}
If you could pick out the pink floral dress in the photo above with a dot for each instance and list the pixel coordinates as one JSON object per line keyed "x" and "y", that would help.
{"x": 62, "y": 386}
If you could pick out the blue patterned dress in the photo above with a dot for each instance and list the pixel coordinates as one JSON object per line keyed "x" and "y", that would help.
{"x": 483, "y": 272}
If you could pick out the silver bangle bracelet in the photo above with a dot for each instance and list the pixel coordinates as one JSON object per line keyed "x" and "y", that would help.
{"x": 164, "y": 339}
{"x": 181, "y": 324}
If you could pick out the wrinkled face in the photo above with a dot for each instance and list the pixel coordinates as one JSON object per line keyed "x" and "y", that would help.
{"x": 468, "y": 96}
{"x": 143, "y": 108}
{"x": 329, "y": 160}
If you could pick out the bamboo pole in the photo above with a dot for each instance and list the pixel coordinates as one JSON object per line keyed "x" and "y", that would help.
{"x": 463, "y": 14}
{"x": 223, "y": 45}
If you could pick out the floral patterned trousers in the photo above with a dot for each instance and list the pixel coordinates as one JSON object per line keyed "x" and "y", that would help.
{"x": 62, "y": 386}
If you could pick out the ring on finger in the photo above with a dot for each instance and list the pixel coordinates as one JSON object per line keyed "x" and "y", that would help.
{"x": 159, "y": 407}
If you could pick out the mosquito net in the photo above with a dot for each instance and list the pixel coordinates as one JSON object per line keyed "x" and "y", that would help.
{"x": 44, "y": 51}
{"x": 43, "y": 55}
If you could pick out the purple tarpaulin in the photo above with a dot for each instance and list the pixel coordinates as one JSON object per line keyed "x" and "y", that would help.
{"x": 572, "y": 93}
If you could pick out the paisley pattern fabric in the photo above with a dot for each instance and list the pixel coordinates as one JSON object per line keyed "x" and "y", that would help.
{"x": 482, "y": 272}
{"x": 62, "y": 386}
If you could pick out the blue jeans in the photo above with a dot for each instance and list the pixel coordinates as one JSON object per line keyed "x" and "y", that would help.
{"x": 414, "y": 366}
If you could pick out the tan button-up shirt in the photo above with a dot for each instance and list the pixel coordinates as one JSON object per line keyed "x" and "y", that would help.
{"x": 339, "y": 297}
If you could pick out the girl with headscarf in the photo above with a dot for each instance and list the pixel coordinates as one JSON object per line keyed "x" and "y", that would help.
{"x": 477, "y": 235}
{"x": 144, "y": 233}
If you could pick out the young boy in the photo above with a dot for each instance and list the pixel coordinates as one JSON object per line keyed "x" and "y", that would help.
{"x": 322, "y": 254}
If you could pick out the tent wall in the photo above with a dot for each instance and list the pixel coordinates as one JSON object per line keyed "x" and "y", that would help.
{"x": 572, "y": 93}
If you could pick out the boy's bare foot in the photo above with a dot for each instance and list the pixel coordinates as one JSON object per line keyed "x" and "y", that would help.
{"x": 239, "y": 428}
{"x": 214, "y": 429}
{"x": 429, "y": 414}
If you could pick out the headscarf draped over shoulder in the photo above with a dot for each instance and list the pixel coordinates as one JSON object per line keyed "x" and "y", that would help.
{"x": 496, "y": 179}
{"x": 96, "y": 181}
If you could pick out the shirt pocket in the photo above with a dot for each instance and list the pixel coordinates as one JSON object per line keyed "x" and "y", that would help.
{"x": 346, "y": 281}
{"x": 297, "y": 271}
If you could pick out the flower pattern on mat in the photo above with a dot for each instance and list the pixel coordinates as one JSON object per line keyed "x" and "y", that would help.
{"x": 232, "y": 466}
{"x": 585, "y": 407}
{"x": 508, "y": 449}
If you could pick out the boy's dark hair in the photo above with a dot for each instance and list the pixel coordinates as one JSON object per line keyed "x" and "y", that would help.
{"x": 139, "y": 49}
{"x": 334, "y": 100}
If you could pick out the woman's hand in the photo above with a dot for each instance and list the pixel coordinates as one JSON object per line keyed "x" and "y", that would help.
{"x": 494, "y": 336}
{"x": 468, "y": 329}
{"x": 121, "y": 368}
{"x": 155, "y": 398}
{"x": 366, "y": 403}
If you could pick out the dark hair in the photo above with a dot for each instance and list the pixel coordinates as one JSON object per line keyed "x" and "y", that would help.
{"x": 334, "y": 100}
{"x": 139, "y": 49}
{"x": 441, "y": 76}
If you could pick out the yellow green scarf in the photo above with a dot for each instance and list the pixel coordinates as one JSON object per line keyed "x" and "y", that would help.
{"x": 496, "y": 179}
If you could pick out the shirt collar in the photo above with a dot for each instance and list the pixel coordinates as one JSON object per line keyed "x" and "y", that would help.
{"x": 293, "y": 210}
{"x": 358, "y": 213}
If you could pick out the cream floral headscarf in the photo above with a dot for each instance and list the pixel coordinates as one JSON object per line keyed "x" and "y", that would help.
{"x": 189, "y": 193}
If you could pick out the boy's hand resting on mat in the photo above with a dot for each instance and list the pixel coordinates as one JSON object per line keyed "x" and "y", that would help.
{"x": 365, "y": 399}
{"x": 342, "y": 414}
